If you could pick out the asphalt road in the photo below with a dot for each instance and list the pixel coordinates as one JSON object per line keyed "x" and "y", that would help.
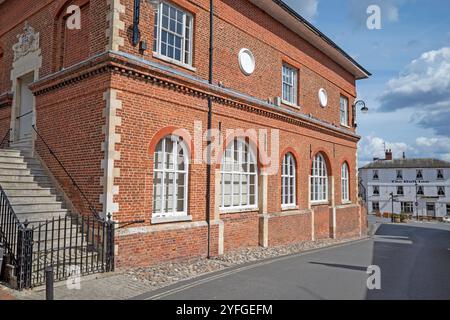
{"x": 414, "y": 261}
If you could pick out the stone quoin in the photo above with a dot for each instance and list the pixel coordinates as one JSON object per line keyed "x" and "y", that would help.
{"x": 114, "y": 114}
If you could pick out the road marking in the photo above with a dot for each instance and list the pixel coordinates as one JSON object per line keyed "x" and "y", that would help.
{"x": 244, "y": 268}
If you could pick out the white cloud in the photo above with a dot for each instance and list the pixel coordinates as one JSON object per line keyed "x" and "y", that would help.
{"x": 429, "y": 73}
{"x": 307, "y": 8}
{"x": 439, "y": 146}
{"x": 424, "y": 86}
{"x": 374, "y": 147}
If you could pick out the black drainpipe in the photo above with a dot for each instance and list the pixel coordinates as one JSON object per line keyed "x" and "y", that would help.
{"x": 208, "y": 165}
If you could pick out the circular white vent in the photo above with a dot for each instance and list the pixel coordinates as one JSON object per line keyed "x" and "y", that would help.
{"x": 247, "y": 61}
{"x": 323, "y": 97}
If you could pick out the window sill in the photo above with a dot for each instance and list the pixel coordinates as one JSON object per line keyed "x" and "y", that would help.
{"x": 345, "y": 126}
{"x": 346, "y": 202}
{"x": 238, "y": 210}
{"x": 162, "y": 220}
{"x": 173, "y": 61}
{"x": 290, "y": 104}
{"x": 319, "y": 203}
{"x": 289, "y": 207}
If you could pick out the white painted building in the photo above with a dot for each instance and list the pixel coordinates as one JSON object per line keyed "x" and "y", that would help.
{"x": 420, "y": 187}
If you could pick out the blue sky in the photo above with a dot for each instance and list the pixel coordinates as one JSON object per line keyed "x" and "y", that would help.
{"x": 409, "y": 57}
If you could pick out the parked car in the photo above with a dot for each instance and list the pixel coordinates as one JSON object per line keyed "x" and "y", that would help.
{"x": 447, "y": 219}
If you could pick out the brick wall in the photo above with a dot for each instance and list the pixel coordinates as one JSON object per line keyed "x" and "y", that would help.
{"x": 45, "y": 18}
{"x": 347, "y": 221}
{"x": 289, "y": 228}
{"x": 240, "y": 230}
{"x": 241, "y": 24}
{"x": 161, "y": 245}
{"x": 71, "y": 118}
{"x": 322, "y": 222}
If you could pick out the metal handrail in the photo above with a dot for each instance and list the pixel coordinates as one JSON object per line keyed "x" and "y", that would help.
{"x": 91, "y": 207}
{"x": 9, "y": 226}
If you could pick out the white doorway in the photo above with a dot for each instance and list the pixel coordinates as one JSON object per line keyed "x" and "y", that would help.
{"x": 25, "y": 108}
{"x": 431, "y": 209}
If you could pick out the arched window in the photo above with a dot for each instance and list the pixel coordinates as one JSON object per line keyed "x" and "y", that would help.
{"x": 288, "y": 178}
{"x": 319, "y": 180}
{"x": 239, "y": 179}
{"x": 345, "y": 183}
{"x": 170, "y": 178}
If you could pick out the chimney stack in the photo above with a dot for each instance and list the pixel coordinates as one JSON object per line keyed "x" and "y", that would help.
{"x": 404, "y": 155}
{"x": 389, "y": 154}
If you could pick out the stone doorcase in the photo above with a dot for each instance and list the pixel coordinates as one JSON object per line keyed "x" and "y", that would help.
{"x": 27, "y": 62}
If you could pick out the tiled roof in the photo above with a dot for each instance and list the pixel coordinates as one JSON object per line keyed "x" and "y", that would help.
{"x": 408, "y": 163}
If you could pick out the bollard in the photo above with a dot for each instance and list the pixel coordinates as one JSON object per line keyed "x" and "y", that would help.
{"x": 49, "y": 283}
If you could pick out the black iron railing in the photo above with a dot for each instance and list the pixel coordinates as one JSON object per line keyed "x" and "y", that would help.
{"x": 73, "y": 246}
{"x": 9, "y": 226}
{"x": 6, "y": 140}
{"x": 17, "y": 239}
{"x": 76, "y": 185}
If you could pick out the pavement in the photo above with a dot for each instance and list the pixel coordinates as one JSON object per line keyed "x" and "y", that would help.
{"x": 413, "y": 258}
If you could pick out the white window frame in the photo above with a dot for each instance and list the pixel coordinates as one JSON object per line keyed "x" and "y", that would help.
{"x": 400, "y": 188}
{"x": 378, "y": 205}
{"x": 407, "y": 205}
{"x": 177, "y": 142}
{"x": 373, "y": 191}
{"x": 252, "y": 159}
{"x": 293, "y": 85}
{"x": 286, "y": 178}
{"x": 420, "y": 188}
{"x": 399, "y": 175}
{"x": 439, "y": 188}
{"x": 319, "y": 180}
{"x": 343, "y": 110}
{"x": 375, "y": 172}
{"x": 345, "y": 188}
{"x": 438, "y": 172}
{"x": 421, "y": 174}
{"x": 158, "y": 38}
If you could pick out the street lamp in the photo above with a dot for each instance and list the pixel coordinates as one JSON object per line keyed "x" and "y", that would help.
{"x": 358, "y": 104}
{"x": 362, "y": 104}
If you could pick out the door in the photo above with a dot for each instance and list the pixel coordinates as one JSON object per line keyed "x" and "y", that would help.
{"x": 26, "y": 107}
{"x": 431, "y": 209}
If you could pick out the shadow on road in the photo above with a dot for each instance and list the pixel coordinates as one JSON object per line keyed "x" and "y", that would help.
{"x": 342, "y": 266}
{"x": 414, "y": 262}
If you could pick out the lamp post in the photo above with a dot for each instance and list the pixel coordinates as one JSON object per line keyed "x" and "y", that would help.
{"x": 392, "y": 199}
{"x": 416, "y": 204}
{"x": 364, "y": 109}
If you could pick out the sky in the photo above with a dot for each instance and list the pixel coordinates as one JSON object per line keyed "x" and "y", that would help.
{"x": 408, "y": 94}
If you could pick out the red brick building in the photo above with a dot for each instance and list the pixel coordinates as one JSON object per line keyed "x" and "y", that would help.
{"x": 127, "y": 116}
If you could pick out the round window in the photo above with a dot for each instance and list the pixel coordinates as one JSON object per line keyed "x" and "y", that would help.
{"x": 323, "y": 97}
{"x": 247, "y": 61}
